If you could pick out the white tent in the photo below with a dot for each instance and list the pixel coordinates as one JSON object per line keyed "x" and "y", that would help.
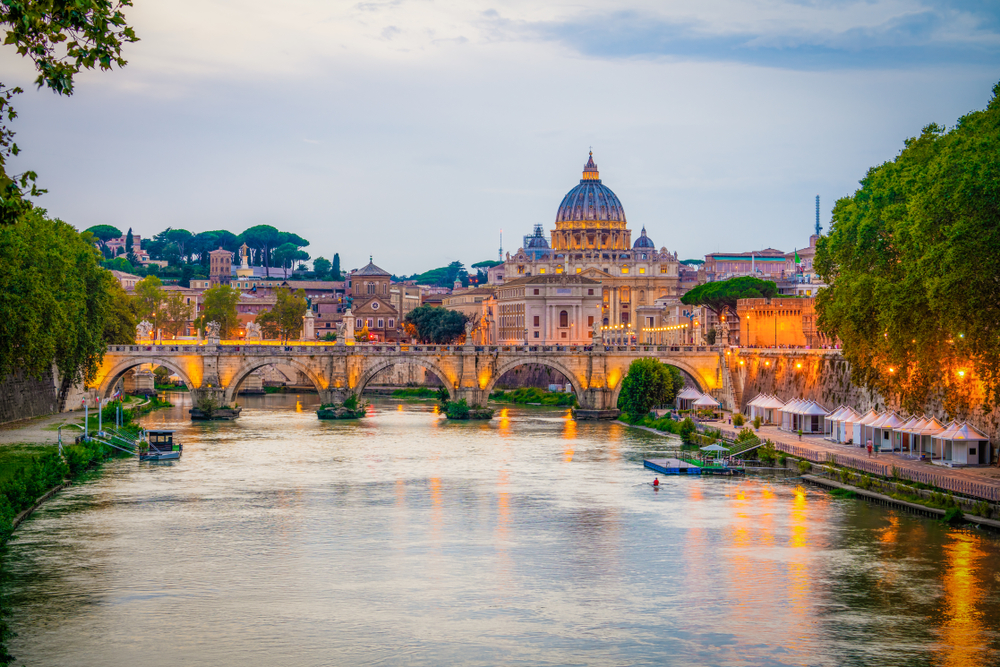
{"x": 686, "y": 396}
{"x": 885, "y": 431}
{"x": 962, "y": 443}
{"x": 924, "y": 434}
{"x": 706, "y": 401}
{"x": 768, "y": 407}
{"x": 842, "y": 430}
{"x": 860, "y": 428}
{"x": 832, "y": 420}
{"x": 810, "y": 418}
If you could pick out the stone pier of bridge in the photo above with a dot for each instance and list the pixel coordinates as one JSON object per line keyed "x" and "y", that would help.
{"x": 468, "y": 372}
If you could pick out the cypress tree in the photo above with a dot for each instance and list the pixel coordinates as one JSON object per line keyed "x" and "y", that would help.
{"x": 335, "y": 270}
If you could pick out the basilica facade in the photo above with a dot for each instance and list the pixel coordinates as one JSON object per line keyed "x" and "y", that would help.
{"x": 592, "y": 239}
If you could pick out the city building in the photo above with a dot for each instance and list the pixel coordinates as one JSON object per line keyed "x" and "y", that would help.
{"x": 767, "y": 264}
{"x": 372, "y": 306}
{"x": 799, "y": 277}
{"x": 780, "y": 322}
{"x": 546, "y": 310}
{"x": 127, "y": 280}
{"x": 220, "y": 270}
{"x": 592, "y": 240}
{"x": 468, "y": 302}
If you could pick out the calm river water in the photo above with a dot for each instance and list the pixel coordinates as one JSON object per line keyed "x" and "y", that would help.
{"x": 405, "y": 539}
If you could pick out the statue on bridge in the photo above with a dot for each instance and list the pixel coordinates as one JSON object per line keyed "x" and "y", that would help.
{"x": 143, "y": 331}
{"x": 212, "y": 330}
{"x": 254, "y": 331}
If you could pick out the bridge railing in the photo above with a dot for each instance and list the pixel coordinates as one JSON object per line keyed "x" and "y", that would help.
{"x": 388, "y": 348}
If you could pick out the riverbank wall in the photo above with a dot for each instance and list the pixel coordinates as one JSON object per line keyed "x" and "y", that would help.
{"x": 824, "y": 376}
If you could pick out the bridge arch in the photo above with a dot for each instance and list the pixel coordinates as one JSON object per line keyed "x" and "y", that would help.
{"x": 679, "y": 364}
{"x": 251, "y": 365}
{"x": 383, "y": 363}
{"x": 508, "y": 366}
{"x": 111, "y": 378}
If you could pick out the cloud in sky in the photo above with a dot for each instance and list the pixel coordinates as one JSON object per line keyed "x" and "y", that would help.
{"x": 414, "y": 130}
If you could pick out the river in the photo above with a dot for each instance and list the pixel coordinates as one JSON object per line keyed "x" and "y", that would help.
{"x": 407, "y": 539}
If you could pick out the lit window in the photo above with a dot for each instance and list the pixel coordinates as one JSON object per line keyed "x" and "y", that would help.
{"x": 578, "y": 269}
{"x": 541, "y": 270}
{"x": 624, "y": 269}
{"x": 642, "y": 270}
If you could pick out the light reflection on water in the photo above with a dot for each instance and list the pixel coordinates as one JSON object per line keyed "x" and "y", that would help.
{"x": 283, "y": 540}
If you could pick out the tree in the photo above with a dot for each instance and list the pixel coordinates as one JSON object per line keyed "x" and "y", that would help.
{"x": 722, "y": 296}
{"x": 287, "y": 254}
{"x": 321, "y": 267}
{"x": 120, "y": 321}
{"x": 130, "y": 248}
{"x": 436, "y": 325}
{"x": 54, "y": 300}
{"x": 264, "y": 238}
{"x": 220, "y": 306}
{"x": 335, "y": 269}
{"x": 176, "y": 313}
{"x": 180, "y": 238}
{"x": 648, "y": 384}
{"x": 910, "y": 264}
{"x": 149, "y": 301}
{"x": 104, "y": 233}
{"x": 284, "y": 319}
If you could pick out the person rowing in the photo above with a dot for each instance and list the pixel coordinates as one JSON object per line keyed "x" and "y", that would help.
{"x": 656, "y": 481}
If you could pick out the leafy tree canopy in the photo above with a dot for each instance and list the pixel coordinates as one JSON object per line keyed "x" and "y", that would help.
{"x": 436, "y": 325}
{"x": 647, "y": 385}
{"x": 911, "y": 264}
{"x": 444, "y": 276}
{"x": 220, "y": 306}
{"x": 104, "y": 232}
{"x": 284, "y": 319}
{"x": 322, "y": 267}
{"x": 723, "y": 295}
{"x": 692, "y": 262}
{"x": 487, "y": 264}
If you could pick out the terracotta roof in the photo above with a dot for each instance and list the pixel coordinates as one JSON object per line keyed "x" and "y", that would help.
{"x": 371, "y": 270}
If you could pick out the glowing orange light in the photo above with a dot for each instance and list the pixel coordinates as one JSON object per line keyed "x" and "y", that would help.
{"x": 741, "y": 362}
{"x": 798, "y": 365}
{"x": 767, "y": 363}
{"x": 891, "y": 369}
{"x": 961, "y": 374}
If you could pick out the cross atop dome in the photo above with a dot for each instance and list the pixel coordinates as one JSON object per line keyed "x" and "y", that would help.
{"x": 590, "y": 172}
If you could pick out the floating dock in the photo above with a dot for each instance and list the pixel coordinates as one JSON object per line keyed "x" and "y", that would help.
{"x": 682, "y": 467}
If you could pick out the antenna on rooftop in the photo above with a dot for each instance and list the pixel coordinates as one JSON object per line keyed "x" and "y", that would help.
{"x": 819, "y": 229}
{"x": 500, "y": 252}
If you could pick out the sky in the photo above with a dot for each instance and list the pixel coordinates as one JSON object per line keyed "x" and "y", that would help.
{"x": 413, "y": 131}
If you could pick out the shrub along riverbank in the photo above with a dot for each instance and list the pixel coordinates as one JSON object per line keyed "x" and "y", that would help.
{"x": 528, "y": 395}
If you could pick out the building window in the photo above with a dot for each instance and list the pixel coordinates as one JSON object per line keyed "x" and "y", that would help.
{"x": 381, "y": 323}
{"x": 536, "y": 292}
{"x": 536, "y": 320}
{"x": 590, "y": 321}
{"x": 590, "y": 292}
{"x": 360, "y": 323}
{"x": 624, "y": 269}
{"x": 370, "y": 287}
{"x": 642, "y": 270}
{"x": 563, "y": 319}
{"x": 563, "y": 334}
{"x": 392, "y": 323}
{"x": 370, "y": 323}
{"x": 663, "y": 269}
{"x": 541, "y": 270}
{"x": 536, "y": 334}
{"x": 578, "y": 269}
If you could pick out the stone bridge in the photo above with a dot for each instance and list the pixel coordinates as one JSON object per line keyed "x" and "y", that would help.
{"x": 467, "y": 371}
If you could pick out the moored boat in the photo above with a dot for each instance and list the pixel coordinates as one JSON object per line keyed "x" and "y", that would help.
{"x": 159, "y": 446}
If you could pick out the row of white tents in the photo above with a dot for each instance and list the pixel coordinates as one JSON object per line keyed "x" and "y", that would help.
{"x": 692, "y": 399}
{"x": 954, "y": 442}
{"x": 795, "y": 415}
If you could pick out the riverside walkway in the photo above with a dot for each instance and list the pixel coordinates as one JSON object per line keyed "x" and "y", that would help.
{"x": 976, "y": 481}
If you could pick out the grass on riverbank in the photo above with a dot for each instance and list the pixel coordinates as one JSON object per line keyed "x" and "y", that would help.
{"x": 526, "y": 395}
{"x": 419, "y": 392}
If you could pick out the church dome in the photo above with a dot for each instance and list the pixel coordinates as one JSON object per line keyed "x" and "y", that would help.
{"x": 644, "y": 241}
{"x": 590, "y": 200}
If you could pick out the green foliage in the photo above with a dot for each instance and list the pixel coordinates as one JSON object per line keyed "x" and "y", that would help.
{"x": 756, "y": 422}
{"x": 437, "y": 325}
{"x": 746, "y": 435}
{"x": 284, "y": 319}
{"x": 54, "y": 299}
{"x": 739, "y": 420}
{"x": 335, "y": 268}
{"x": 321, "y": 267}
{"x": 843, "y": 493}
{"x": 804, "y": 467}
{"x": 712, "y": 334}
{"x": 954, "y": 516}
{"x": 456, "y": 409}
{"x": 416, "y": 392}
{"x": 104, "y": 233}
{"x": 909, "y": 260}
{"x": 444, "y": 276}
{"x": 220, "y": 306}
{"x": 722, "y": 295}
{"x": 526, "y": 395}
{"x": 148, "y": 295}
{"x": 120, "y": 320}
{"x": 647, "y": 385}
